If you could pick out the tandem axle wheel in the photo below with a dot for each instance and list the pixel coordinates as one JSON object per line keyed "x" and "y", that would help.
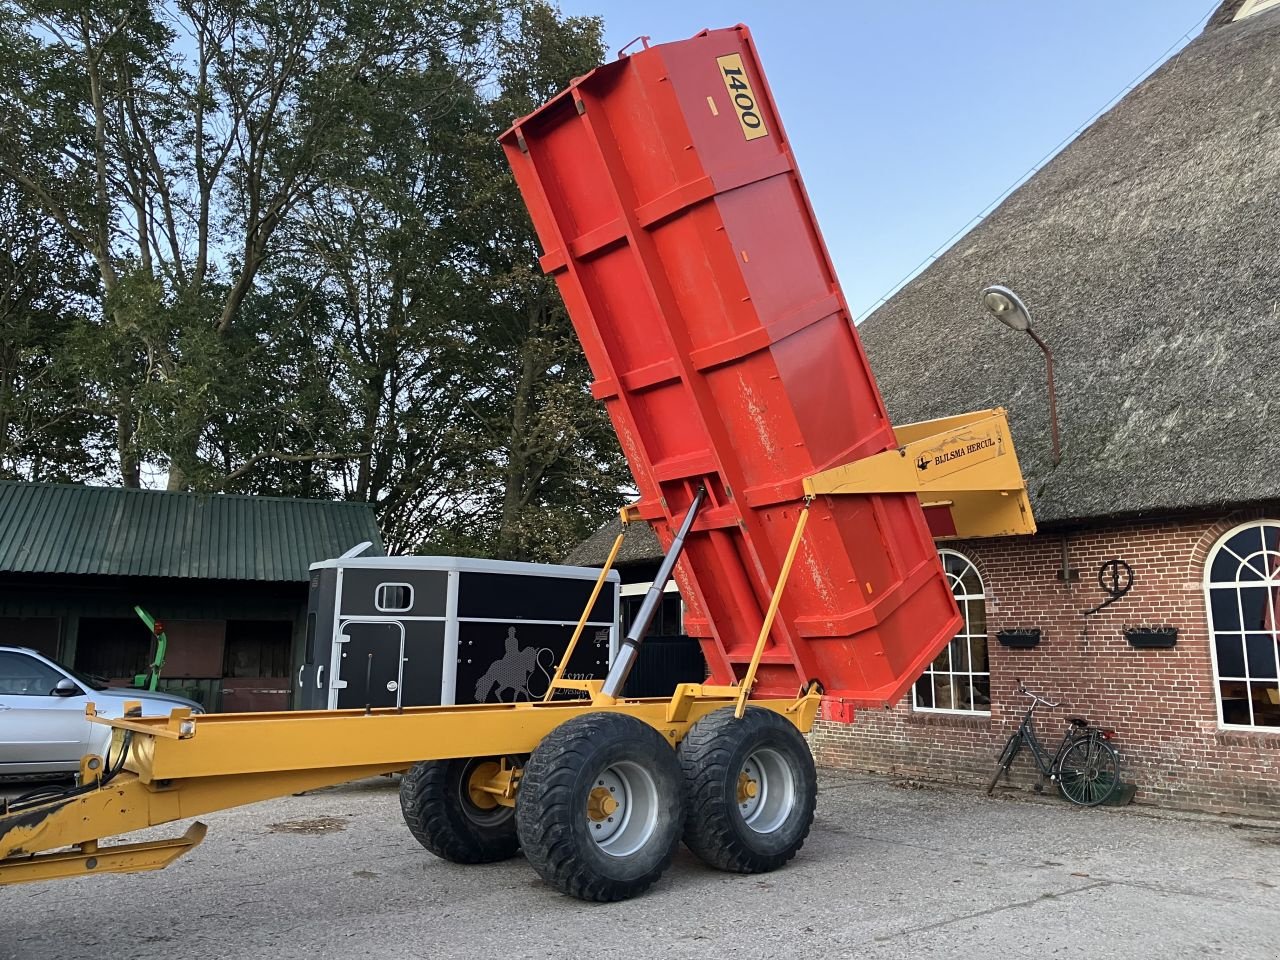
{"x": 601, "y": 807}
{"x": 751, "y": 789}
{"x": 603, "y": 801}
{"x": 449, "y": 813}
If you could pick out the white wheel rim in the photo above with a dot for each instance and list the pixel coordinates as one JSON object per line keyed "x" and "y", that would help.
{"x": 622, "y": 809}
{"x": 766, "y": 791}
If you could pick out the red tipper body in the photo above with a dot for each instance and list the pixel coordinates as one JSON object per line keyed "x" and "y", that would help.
{"x": 674, "y": 221}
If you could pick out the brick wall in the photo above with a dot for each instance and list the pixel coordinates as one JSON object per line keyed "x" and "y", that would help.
{"x": 1160, "y": 702}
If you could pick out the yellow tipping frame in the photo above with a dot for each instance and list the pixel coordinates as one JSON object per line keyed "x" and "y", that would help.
{"x": 965, "y": 464}
{"x": 771, "y": 614}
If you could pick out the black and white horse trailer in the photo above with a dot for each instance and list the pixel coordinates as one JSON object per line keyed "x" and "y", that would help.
{"x": 420, "y": 631}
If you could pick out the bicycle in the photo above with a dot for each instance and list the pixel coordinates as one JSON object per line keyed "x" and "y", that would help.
{"x": 1085, "y": 767}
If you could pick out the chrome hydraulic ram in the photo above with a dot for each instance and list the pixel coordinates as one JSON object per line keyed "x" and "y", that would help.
{"x": 627, "y": 653}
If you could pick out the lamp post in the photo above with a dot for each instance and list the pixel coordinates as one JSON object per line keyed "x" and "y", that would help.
{"x": 1005, "y": 305}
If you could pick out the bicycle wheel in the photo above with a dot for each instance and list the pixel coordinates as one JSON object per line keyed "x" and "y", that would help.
{"x": 1006, "y": 758}
{"x": 1088, "y": 771}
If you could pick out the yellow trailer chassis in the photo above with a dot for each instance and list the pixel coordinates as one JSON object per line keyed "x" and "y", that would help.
{"x": 182, "y": 766}
{"x": 163, "y": 769}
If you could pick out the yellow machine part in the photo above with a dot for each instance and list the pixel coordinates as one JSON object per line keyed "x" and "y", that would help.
{"x": 964, "y": 467}
{"x": 184, "y": 766}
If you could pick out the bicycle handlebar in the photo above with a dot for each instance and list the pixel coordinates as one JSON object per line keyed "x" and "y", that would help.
{"x": 1036, "y": 698}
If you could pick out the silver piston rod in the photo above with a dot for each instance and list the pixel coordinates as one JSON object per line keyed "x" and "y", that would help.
{"x": 630, "y": 647}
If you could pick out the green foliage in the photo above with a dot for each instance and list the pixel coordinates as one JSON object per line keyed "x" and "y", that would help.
{"x": 48, "y": 430}
{"x": 557, "y": 469}
{"x": 286, "y": 257}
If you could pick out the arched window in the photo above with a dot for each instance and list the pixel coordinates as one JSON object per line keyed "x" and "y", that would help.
{"x": 959, "y": 680}
{"x": 1242, "y": 579}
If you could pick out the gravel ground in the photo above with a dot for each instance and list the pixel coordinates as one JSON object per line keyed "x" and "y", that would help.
{"x": 890, "y": 870}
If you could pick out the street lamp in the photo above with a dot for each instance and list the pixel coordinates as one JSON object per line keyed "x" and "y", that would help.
{"x": 1005, "y": 305}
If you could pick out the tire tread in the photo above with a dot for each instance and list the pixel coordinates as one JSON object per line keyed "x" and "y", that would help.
{"x": 706, "y": 754}
{"x": 546, "y": 804}
{"x": 428, "y": 807}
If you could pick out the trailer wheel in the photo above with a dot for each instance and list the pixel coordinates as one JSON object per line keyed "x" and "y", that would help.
{"x": 751, "y": 789}
{"x": 601, "y": 807}
{"x": 451, "y": 820}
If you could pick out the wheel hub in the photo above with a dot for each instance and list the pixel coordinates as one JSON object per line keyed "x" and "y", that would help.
{"x": 481, "y": 798}
{"x": 600, "y": 805}
{"x": 766, "y": 791}
{"x": 622, "y": 808}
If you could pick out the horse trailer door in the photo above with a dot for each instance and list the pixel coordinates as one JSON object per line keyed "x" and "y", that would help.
{"x": 368, "y": 665}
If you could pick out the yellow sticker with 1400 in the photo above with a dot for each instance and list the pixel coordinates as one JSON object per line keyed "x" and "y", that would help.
{"x": 744, "y": 98}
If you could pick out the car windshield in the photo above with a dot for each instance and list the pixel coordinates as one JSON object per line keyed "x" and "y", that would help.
{"x": 92, "y": 681}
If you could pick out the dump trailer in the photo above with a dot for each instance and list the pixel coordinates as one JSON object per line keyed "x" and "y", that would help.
{"x": 798, "y": 522}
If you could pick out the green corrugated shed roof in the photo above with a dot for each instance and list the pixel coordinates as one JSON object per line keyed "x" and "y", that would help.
{"x": 109, "y": 531}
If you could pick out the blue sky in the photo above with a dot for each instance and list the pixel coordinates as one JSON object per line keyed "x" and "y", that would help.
{"x": 909, "y": 118}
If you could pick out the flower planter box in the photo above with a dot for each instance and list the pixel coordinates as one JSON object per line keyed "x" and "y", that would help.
{"x": 1023, "y": 638}
{"x": 1151, "y": 638}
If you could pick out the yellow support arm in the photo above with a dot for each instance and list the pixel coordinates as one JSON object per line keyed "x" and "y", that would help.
{"x": 964, "y": 469}
{"x": 558, "y": 681}
{"x": 749, "y": 680}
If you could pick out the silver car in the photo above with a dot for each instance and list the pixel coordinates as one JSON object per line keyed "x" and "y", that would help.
{"x": 43, "y": 728}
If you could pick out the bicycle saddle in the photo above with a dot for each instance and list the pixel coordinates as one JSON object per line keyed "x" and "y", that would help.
{"x": 1078, "y": 721}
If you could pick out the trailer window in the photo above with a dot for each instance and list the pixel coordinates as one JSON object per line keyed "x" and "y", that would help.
{"x": 393, "y": 597}
{"x": 959, "y": 679}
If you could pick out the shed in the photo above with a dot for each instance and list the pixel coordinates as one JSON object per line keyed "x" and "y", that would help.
{"x": 226, "y": 574}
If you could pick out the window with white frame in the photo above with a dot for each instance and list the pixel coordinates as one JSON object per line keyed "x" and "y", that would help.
{"x": 1242, "y": 582}
{"x": 393, "y": 597}
{"x": 959, "y": 679}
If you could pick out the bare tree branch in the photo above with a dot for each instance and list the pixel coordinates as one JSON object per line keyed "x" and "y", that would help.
{"x": 284, "y": 457}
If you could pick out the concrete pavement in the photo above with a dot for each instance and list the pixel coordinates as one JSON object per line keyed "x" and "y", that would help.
{"x": 889, "y": 871}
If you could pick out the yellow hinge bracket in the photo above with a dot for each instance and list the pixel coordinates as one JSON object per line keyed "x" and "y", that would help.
{"x": 965, "y": 465}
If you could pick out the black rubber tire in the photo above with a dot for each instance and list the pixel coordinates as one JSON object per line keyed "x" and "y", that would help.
{"x": 1089, "y": 772}
{"x": 551, "y": 807}
{"x": 1006, "y": 758}
{"x": 442, "y": 817}
{"x": 712, "y": 755}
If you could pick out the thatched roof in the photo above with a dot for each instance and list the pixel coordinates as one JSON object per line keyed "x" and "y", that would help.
{"x": 1148, "y": 252}
{"x": 640, "y": 546}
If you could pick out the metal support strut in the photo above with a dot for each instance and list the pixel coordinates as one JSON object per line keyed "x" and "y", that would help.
{"x": 558, "y": 679}
{"x": 749, "y": 680}
{"x": 630, "y": 647}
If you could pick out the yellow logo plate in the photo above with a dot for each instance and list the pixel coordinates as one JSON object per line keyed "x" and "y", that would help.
{"x": 957, "y": 452}
{"x": 743, "y": 97}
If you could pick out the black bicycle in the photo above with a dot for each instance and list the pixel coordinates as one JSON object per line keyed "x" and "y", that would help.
{"x": 1086, "y": 767}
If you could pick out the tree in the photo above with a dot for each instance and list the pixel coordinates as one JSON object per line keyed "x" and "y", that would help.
{"x": 466, "y": 383}
{"x": 172, "y": 143}
{"x": 47, "y": 420}
{"x": 545, "y": 451}
{"x": 311, "y": 273}
{"x": 390, "y": 285}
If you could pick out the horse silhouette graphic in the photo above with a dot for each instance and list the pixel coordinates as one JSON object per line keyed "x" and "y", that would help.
{"x": 511, "y": 672}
